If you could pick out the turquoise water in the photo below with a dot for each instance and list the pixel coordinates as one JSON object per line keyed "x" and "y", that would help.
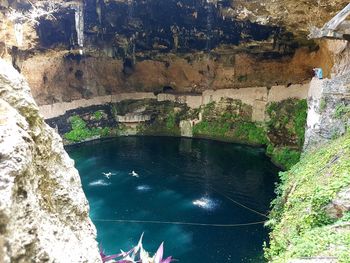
{"x": 178, "y": 180}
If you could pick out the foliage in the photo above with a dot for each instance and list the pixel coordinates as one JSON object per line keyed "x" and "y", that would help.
{"x": 251, "y": 132}
{"x": 341, "y": 111}
{"x": 284, "y": 156}
{"x": 323, "y": 104}
{"x": 287, "y": 121}
{"x": 300, "y": 224}
{"x": 171, "y": 120}
{"x": 166, "y": 117}
{"x": 230, "y": 120}
{"x": 137, "y": 255}
{"x": 98, "y": 115}
{"x": 214, "y": 129}
{"x": 81, "y": 132}
{"x": 300, "y": 120}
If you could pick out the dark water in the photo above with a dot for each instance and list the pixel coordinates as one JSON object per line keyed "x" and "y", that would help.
{"x": 173, "y": 174}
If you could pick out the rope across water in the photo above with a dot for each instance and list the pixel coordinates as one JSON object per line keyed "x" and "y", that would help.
{"x": 177, "y": 222}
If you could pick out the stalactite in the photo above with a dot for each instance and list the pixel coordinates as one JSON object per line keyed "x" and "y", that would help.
{"x": 99, "y": 11}
{"x": 79, "y": 26}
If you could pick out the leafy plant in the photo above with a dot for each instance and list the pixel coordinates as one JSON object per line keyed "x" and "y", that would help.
{"x": 98, "y": 115}
{"x": 284, "y": 156}
{"x": 341, "y": 111}
{"x": 136, "y": 255}
{"x": 171, "y": 120}
{"x": 81, "y": 132}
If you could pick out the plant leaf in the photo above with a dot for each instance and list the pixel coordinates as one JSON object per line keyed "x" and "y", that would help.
{"x": 159, "y": 255}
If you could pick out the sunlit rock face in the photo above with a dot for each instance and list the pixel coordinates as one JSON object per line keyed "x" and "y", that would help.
{"x": 44, "y": 215}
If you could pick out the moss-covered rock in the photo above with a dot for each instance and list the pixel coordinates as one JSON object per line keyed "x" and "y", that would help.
{"x": 165, "y": 120}
{"x": 230, "y": 120}
{"x": 300, "y": 220}
{"x": 227, "y": 120}
{"x": 286, "y": 130}
{"x": 287, "y": 122}
{"x": 80, "y": 132}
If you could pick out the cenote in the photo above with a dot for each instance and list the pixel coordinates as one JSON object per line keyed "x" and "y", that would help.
{"x": 178, "y": 180}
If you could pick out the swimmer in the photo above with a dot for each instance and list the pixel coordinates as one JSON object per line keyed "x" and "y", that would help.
{"x": 133, "y": 173}
{"x": 107, "y": 175}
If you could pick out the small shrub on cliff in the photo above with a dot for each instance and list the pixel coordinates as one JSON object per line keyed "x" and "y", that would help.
{"x": 171, "y": 120}
{"x": 81, "y": 132}
{"x": 300, "y": 120}
{"x": 98, "y": 115}
{"x": 251, "y": 133}
{"x": 342, "y": 111}
{"x": 285, "y": 157}
{"x": 287, "y": 122}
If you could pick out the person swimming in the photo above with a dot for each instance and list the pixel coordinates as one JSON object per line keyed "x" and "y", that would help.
{"x": 108, "y": 175}
{"x": 133, "y": 173}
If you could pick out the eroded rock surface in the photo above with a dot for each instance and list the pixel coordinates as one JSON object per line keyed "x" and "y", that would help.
{"x": 329, "y": 101}
{"x": 44, "y": 215}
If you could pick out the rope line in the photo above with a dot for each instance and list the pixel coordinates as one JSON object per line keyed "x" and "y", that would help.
{"x": 239, "y": 204}
{"x": 177, "y": 223}
{"x": 227, "y": 197}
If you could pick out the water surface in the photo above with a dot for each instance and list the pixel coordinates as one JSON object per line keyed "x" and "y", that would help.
{"x": 178, "y": 180}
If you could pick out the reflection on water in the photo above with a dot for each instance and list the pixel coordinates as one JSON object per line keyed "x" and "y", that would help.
{"x": 181, "y": 180}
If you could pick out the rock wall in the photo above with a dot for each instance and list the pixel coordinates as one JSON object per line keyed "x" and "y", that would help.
{"x": 64, "y": 76}
{"x": 257, "y": 97}
{"x": 329, "y": 101}
{"x": 274, "y": 117}
{"x": 44, "y": 215}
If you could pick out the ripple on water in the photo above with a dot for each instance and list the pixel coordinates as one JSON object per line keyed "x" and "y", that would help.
{"x": 206, "y": 203}
{"x": 100, "y": 182}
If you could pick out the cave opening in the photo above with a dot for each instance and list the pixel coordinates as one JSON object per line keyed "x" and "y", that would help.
{"x": 179, "y": 114}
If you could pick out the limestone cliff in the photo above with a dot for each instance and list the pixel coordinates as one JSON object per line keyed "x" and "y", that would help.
{"x": 328, "y": 100}
{"x": 189, "y": 46}
{"x": 44, "y": 215}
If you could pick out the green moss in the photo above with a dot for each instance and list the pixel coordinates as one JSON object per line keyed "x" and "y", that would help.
{"x": 286, "y": 127}
{"x": 287, "y": 122}
{"x": 98, "y": 115}
{"x": 299, "y": 221}
{"x": 211, "y": 128}
{"x": 251, "y": 132}
{"x": 171, "y": 120}
{"x": 284, "y": 156}
{"x": 342, "y": 111}
{"x": 166, "y": 117}
{"x": 323, "y": 105}
{"x": 300, "y": 116}
{"x": 81, "y": 132}
{"x": 230, "y": 120}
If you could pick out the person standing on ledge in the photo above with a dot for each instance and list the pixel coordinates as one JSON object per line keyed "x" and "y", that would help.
{"x": 318, "y": 73}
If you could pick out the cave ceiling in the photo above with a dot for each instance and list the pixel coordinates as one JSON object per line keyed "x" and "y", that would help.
{"x": 182, "y": 26}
